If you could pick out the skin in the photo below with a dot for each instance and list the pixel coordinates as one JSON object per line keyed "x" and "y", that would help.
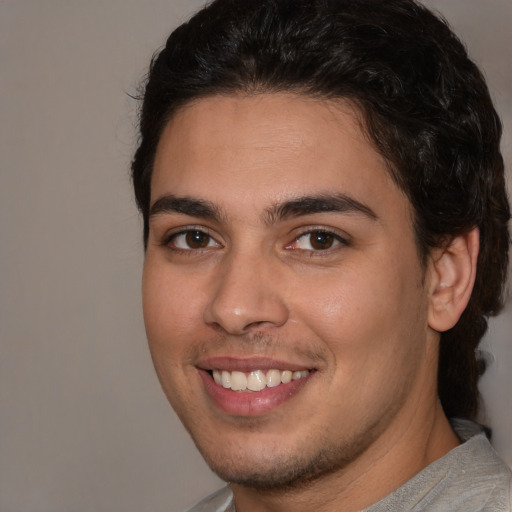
{"x": 362, "y": 314}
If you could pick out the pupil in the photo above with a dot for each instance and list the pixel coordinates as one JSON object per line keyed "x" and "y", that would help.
{"x": 321, "y": 240}
{"x": 196, "y": 239}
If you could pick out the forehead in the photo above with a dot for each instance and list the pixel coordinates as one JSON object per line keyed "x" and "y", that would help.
{"x": 267, "y": 147}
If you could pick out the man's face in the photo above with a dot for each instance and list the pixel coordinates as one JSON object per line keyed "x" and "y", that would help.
{"x": 279, "y": 246}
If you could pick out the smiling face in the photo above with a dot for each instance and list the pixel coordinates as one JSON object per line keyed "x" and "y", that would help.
{"x": 284, "y": 299}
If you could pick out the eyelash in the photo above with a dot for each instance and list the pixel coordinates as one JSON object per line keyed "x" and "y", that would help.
{"x": 168, "y": 240}
{"x": 337, "y": 240}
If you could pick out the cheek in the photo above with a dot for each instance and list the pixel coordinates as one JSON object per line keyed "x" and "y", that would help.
{"x": 370, "y": 332}
{"x": 169, "y": 314}
{"x": 368, "y": 318}
{"x": 169, "y": 306}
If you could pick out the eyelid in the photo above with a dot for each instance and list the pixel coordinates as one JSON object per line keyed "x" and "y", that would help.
{"x": 342, "y": 239}
{"x": 183, "y": 230}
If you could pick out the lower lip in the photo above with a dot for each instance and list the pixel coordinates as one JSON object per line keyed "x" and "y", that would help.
{"x": 254, "y": 403}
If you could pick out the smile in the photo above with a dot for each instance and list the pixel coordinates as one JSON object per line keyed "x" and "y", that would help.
{"x": 256, "y": 380}
{"x": 253, "y": 386}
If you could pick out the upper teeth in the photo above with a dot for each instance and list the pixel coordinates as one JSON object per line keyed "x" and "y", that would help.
{"x": 256, "y": 380}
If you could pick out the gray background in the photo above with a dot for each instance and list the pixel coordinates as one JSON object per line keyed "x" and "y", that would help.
{"x": 83, "y": 423}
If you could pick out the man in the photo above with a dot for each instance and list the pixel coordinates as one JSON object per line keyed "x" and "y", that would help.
{"x": 325, "y": 222}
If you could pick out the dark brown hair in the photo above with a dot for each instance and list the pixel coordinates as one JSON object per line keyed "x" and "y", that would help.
{"x": 425, "y": 105}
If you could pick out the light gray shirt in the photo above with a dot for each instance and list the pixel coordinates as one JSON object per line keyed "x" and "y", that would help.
{"x": 470, "y": 478}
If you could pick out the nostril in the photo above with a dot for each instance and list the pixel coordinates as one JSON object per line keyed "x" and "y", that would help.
{"x": 254, "y": 324}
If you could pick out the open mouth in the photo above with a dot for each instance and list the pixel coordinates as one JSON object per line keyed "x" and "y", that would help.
{"x": 252, "y": 387}
{"x": 256, "y": 380}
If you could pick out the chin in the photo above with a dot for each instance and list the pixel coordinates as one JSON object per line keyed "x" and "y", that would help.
{"x": 268, "y": 470}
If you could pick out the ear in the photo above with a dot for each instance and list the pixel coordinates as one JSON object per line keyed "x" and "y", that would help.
{"x": 452, "y": 276}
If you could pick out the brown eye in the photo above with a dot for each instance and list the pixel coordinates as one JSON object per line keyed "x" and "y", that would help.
{"x": 191, "y": 239}
{"x": 317, "y": 240}
{"x": 197, "y": 239}
{"x": 321, "y": 241}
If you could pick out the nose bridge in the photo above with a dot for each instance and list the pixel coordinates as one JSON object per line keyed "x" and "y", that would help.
{"x": 245, "y": 293}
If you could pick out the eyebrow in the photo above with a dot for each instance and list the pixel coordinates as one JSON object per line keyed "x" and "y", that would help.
{"x": 322, "y": 203}
{"x": 186, "y": 206}
{"x": 297, "y": 207}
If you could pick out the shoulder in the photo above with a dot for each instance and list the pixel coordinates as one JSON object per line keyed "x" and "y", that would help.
{"x": 482, "y": 478}
{"x": 219, "y": 501}
{"x": 470, "y": 478}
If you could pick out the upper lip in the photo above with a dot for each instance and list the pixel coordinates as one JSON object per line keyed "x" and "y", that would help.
{"x": 249, "y": 364}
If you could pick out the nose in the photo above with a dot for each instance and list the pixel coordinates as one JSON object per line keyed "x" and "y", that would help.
{"x": 245, "y": 295}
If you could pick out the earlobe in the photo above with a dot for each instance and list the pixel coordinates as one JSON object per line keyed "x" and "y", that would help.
{"x": 452, "y": 276}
